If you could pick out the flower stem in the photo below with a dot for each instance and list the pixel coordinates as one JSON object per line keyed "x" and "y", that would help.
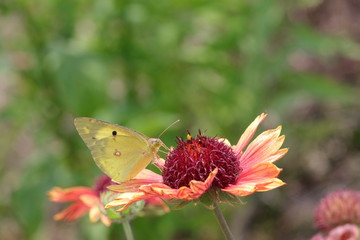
{"x": 224, "y": 226}
{"x": 128, "y": 231}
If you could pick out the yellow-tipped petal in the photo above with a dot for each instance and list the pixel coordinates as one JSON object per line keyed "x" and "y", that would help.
{"x": 248, "y": 134}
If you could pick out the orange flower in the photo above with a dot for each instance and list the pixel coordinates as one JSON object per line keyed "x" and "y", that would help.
{"x": 201, "y": 164}
{"x": 85, "y": 200}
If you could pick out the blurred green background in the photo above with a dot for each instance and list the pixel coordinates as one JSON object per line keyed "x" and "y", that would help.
{"x": 215, "y": 65}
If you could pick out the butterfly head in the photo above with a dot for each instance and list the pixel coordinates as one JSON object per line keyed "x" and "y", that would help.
{"x": 156, "y": 143}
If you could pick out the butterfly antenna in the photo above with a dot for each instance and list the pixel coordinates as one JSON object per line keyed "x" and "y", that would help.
{"x": 163, "y": 144}
{"x": 168, "y": 127}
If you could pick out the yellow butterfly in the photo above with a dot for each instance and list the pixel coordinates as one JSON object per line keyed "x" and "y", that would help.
{"x": 120, "y": 152}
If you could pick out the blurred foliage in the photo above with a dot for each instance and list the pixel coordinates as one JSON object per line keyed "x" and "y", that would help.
{"x": 215, "y": 65}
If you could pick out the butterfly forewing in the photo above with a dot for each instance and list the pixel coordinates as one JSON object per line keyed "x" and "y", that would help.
{"x": 118, "y": 151}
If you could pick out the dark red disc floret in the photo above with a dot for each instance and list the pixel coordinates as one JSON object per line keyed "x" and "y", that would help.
{"x": 196, "y": 158}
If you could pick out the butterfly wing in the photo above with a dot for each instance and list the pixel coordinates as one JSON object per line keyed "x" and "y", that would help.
{"x": 119, "y": 152}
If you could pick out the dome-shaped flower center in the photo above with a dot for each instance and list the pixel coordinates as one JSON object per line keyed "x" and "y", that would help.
{"x": 196, "y": 158}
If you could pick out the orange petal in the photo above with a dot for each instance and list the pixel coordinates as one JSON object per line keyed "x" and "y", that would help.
{"x": 249, "y": 188}
{"x": 156, "y": 201}
{"x": 68, "y": 195}
{"x": 160, "y": 190}
{"x": 145, "y": 177}
{"x": 201, "y": 187}
{"x": 241, "y": 190}
{"x": 95, "y": 205}
{"x": 74, "y": 211}
{"x": 146, "y": 174}
{"x": 117, "y": 203}
{"x": 126, "y": 199}
{"x": 94, "y": 214}
{"x": 163, "y": 190}
{"x": 105, "y": 220}
{"x": 265, "y": 145}
{"x": 91, "y": 200}
{"x": 274, "y": 183}
{"x": 261, "y": 177}
{"x": 196, "y": 189}
{"x": 276, "y": 156}
{"x": 248, "y": 134}
{"x": 167, "y": 192}
{"x": 259, "y": 171}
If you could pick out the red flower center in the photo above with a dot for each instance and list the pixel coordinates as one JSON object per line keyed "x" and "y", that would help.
{"x": 196, "y": 158}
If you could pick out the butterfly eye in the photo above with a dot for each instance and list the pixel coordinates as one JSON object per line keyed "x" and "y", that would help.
{"x": 114, "y": 133}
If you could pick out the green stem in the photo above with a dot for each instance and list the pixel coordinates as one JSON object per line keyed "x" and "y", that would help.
{"x": 224, "y": 226}
{"x": 128, "y": 231}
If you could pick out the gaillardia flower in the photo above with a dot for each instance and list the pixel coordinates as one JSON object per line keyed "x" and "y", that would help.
{"x": 92, "y": 200}
{"x": 338, "y": 208}
{"x": 202, "y": 165}
{"x": 85, "y": 200}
